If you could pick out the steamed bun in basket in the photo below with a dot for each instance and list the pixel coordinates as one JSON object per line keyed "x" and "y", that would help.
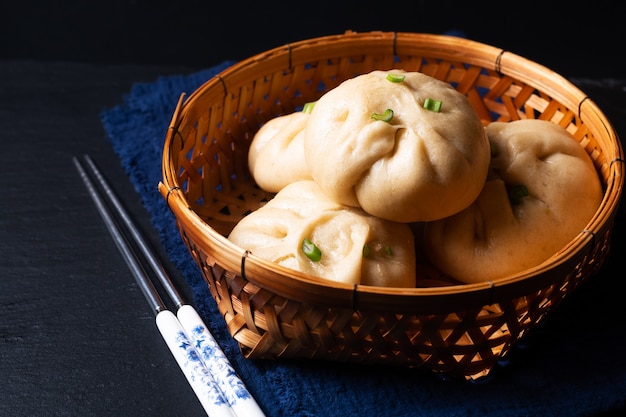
{"x": 542, "y": 191}
{"x": 372, "y": 143}
{"x": 276, "y": 154}
{"x": 352, "y": 246}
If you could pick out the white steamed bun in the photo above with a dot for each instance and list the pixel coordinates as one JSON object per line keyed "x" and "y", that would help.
{"x": 276, "y": 155}
{"x": 422, "y": 165}
{"x": 500, "y": 234}
{"x": 356, "y": 248}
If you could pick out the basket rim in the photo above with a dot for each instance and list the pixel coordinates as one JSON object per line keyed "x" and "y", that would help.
{"x": 330, "y": 292}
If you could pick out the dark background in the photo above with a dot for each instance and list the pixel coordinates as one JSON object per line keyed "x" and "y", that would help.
{"x": 575, "y": 40}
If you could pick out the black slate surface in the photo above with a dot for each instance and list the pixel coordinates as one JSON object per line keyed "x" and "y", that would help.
{"x": 76, "y": 335}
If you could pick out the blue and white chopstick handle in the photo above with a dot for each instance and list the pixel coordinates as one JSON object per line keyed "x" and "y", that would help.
{"x": 203, "y": 384}
{"x": 237, "y": 395}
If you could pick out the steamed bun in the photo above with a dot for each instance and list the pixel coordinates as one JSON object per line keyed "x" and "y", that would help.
{"x": 356, "y": 248}
{"x": 502, "y": 232}
{"x": 421, "y": 165}
{"x": 276, "y": 155}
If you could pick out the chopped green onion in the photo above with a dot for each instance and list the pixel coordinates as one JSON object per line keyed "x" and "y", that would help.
{"x": 311, "y": 250}
{"x": 432, "y": 105}
{"x": 378, "y": 250}
{"x": 395, "y": 78}
{"x": 308, "y": 107}
{"x": 494, "y": 149}
{"x": 384, "y": 117}
{"x": 366, "y": 251}
{"x": 517, "y": 193}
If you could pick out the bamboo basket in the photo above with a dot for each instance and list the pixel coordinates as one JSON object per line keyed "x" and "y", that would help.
{"x": 274, "y": 312}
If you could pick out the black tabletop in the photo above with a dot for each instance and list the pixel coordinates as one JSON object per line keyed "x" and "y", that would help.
{"x": 76, "y": 335}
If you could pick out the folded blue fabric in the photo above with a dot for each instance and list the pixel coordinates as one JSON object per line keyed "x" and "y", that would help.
{"x": 574, "y": 364}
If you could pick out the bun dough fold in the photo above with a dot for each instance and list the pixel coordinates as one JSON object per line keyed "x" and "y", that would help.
{"x": 276, "y": 155}
{"x": 300, "y": 210}
{"x": 421, "y": 165}
{"x": 497, "y": 236}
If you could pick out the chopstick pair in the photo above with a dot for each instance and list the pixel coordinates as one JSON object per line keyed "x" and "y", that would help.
{"x": 196, "y": 351}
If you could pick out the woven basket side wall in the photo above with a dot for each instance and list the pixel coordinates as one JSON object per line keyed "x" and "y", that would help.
{"x": 464, "y": 343}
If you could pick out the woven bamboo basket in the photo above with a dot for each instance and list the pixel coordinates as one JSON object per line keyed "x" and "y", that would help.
{"x": 274, "y": 312}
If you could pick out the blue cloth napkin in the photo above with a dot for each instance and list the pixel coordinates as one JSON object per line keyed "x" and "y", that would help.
{"x": 574, "y": 364}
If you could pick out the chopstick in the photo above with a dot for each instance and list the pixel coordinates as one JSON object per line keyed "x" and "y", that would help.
{"x": 207, "y": 369}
